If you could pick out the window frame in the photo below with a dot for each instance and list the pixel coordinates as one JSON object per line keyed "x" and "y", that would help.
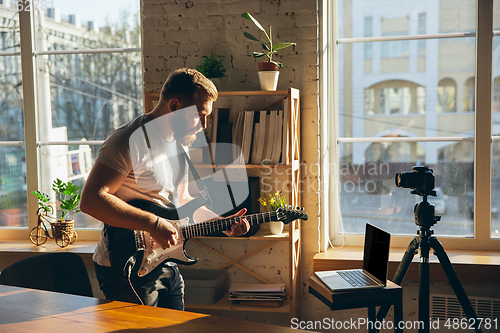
{"x": 31, "y": 141}
{"x": 329, "y": 62}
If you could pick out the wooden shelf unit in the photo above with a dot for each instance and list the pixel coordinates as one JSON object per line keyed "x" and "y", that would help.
{"x": 291, "y": 162}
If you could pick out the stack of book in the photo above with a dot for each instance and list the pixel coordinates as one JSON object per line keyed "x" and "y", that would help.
{"x": 258, "y": 294}
{"x": 262, "y": 135}
{"x": 258, "y": 137}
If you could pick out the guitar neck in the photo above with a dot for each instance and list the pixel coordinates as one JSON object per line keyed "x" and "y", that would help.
{"x": 214, "y": 226}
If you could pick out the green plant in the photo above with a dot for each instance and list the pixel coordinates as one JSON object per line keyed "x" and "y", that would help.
{"x": 211, "y": 67}
{"x": 269, "y": 49}
{"x": 68, "y": 197}
{"x": 274, "y": 202}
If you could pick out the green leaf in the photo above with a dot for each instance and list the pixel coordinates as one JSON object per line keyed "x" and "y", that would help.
{"x": 249, "y": 17}
{"x": 71, "y": 189}
{"x": 280, "y": 46}
{"x": 41, "y": 196}
{"x": 258, "y": 55}
{"x": 249, "y": 36}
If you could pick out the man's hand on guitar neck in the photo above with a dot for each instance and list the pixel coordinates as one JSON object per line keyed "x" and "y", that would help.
{"x": 238, "y": 228}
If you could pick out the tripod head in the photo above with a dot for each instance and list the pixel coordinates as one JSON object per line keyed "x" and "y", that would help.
{"x": 421, "y": 180}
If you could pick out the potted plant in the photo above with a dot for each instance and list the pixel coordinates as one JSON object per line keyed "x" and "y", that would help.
{"x": 268, "y": 70}
{"x": 69, "y": 201}
{"x": 272, "y": 204}
{"x": 212, "y": 68}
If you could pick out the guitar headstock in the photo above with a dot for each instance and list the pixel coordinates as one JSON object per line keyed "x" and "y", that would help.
{"x": 289, "y": 214}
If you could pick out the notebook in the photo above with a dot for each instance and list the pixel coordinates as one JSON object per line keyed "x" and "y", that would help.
{"x": 375, "y": 264}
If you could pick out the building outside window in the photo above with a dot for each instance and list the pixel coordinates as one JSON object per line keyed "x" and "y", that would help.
{"x": 414, "y": 107}
{"x": 87, "y": 81}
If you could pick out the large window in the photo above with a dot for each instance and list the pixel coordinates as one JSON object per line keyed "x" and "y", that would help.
{"x": 406, "y": 95}
{"x": 82, "y": 71}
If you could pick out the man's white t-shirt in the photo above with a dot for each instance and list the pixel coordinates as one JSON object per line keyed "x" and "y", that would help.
{"x": 154, "y": 171}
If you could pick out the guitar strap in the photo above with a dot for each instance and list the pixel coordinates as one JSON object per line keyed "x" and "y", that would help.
{"x": 202, "y": 189}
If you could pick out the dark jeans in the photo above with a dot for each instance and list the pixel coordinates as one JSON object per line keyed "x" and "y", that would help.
{"x": 163, "y": 287}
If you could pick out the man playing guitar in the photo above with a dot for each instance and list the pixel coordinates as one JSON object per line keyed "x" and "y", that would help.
{"x": 141, "y": 160}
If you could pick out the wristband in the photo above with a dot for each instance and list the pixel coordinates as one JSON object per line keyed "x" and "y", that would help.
{"x": 157, "y": 223}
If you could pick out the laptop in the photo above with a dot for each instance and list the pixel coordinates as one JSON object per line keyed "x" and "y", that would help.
{"x": 375, "y": 264}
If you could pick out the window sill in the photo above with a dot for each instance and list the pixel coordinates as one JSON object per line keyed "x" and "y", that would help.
{"x": 470, "y": 266}
{"x": 12, "y": 251}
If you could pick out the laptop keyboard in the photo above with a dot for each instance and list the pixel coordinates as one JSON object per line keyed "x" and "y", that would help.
{"x": 357, "y": 278}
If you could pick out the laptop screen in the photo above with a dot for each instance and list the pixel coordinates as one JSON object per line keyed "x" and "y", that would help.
{"x": 376, "y": 252}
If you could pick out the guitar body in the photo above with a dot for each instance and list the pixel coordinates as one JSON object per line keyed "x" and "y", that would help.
{"x": 125, "y": 245}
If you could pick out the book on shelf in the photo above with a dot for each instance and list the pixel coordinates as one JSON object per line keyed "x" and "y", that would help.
{"x": 258, "y": 294}
{"x": 262, "y": 303}
{"x": 268, "y": 149}
{"x": 248, "y": 127}
{"x": 262, "y": 138}
{"x": 237, "y": 139}
{"x": 278, "y": 133}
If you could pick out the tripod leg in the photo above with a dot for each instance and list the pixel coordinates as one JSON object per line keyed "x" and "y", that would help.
{"x": 423, "y": 287}
{"x": 401, "y": 272}
{"x": 455, "y": 282}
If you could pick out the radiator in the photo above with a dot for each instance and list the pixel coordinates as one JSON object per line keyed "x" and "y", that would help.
{"x": 448, "y": 306}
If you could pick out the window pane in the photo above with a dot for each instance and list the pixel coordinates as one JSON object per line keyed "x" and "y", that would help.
{"x": 368, "y": 192}
{"x": 405, "y": 89}
{"x": 92, "y": 94}
{"x": 13, "y": 212}
{"x": 83, "y": 97}
{"x": 394, "y": 17}
{"x": 401, "y": 97}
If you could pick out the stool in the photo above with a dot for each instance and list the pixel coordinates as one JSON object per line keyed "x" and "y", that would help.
{"x": 392, "y": 294}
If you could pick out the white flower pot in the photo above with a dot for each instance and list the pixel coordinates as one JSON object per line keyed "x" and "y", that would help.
{"x": 268, "y": 80}
{"x": 276, "y": 228}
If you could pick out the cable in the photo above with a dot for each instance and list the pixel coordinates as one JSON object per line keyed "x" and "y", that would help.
{"x": 129, "y": 265}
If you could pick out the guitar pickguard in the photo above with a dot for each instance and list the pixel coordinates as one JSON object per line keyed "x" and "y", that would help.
{"x": 154, "y": 254}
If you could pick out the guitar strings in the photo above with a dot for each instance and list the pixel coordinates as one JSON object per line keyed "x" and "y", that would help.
{"x": 208, "y": 227}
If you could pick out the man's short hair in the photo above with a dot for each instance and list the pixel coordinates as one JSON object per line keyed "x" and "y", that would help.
{"x": 187, "y": 85}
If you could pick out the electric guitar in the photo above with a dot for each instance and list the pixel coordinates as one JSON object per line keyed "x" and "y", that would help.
{"x": 128, "y": 247}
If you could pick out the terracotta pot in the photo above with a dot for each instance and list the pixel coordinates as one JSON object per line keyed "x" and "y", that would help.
{"x": 267, "y": 66}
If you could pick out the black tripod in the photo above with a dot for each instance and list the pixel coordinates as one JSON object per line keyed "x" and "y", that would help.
{"x": 425, "y": 219}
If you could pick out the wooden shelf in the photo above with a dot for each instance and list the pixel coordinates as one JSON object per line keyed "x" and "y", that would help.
{"x": 291, "y": 163}
{"x": 225, "y": 304}
{"x": 261, "y": 234}
{"x": 253, "y": 93}
{"x": 242, "y": 166}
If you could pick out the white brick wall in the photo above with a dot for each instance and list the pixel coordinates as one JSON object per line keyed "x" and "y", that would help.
{"x": 178, "y": 34}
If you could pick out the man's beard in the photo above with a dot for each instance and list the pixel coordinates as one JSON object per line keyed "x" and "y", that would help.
{"x": 186, "y": 140}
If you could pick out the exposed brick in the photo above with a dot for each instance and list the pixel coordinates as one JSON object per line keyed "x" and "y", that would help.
{"x": 188, "y": 49}
{"x": 297, "y": 33}
{"x": 211, "y": 23}
{"x": 153, "y": 10}
{"x": 306, "y": 19}
{"x": 165, "y": 50}
{"x": 297, "y": 6}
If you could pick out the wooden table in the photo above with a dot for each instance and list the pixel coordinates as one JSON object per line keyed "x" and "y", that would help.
{"x": 392, "y": 294}
{"x": 28, "y": 310}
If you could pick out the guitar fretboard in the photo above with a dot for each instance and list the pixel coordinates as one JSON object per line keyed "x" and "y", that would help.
{"x": 215, "y": 226}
